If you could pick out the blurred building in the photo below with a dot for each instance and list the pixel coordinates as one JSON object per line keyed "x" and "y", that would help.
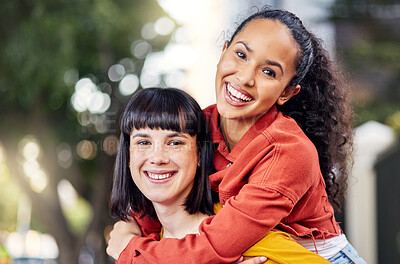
{"x": 372, "y": 140}
{"x": 388, "y": 205}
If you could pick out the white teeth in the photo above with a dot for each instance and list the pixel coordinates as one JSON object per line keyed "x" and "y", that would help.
{"x": 236, "y": 95}
{"x": 157, "y": 176}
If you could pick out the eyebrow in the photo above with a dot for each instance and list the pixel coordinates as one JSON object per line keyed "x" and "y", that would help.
{"x": 245, "y": 45}
{"x": 275, "y": 63}
{"x": 174, "y": 134}
{"x": 270, "y": 62}
{"x": 140, "y": 135}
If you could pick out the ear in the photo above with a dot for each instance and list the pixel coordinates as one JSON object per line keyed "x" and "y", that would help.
{"x": 225, "y": 46}
{"x": 222, "y": 53}
{"x": 288, "y": 93}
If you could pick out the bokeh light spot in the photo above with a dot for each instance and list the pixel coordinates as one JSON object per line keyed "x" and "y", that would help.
{"x": 67, "y": 193}
{"x": 110, "y": 145}
{"x": 140, "y": 49}
{"x": 32, "y": 243}
{"x": 128, "y": 84}
{"x": 64, "y": 155}
{"x": 87, "y": 96}
{"x": 99, "y": 102}
{"x": 71, "y": 77}
{"x": 116, "y": 72}
{"x": 128, "y": 64}
{"x": 86, "y": 149}
{"x": 148, "y": 31}
{"x": 29, "y": 147}
{"x": 15, "y": 244}
{"x": 85, "y": 86}
{"x": 30, "y": 166}
{"x": 38, "y": 181}
{"x": 164, "y": 26}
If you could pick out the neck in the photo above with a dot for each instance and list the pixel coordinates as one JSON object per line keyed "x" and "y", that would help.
{"x": 176, "y": 221}
{"x": 233, "y": 130}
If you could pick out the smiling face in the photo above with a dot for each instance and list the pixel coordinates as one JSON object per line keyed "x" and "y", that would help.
{"x": 163, "y": 164}
{"x": 255, "y": 70}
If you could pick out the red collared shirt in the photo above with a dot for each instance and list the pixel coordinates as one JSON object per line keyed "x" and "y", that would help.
{"x": 270, "y": 180}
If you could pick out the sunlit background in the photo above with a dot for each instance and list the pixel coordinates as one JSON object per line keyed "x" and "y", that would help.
{"x": 67, "y": 69}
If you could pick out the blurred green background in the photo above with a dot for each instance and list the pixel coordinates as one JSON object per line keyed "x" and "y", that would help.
{"x": 66, "y": 70}
{"x": 56, "y": 152}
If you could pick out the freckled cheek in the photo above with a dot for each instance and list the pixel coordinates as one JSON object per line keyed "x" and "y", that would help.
{"x": 186, "y": 159}
{"x": 136, "y": 160}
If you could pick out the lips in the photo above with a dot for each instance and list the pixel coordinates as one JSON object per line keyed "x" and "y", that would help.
{"x": 236, "y": 95}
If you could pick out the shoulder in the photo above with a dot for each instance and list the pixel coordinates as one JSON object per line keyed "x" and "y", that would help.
{"x": 211, "y": 113}
{"x": 278, "y": 135}
{"x": 285, "y": 132}
{"x": 208, "y": 111}
{"x": 292, "y": 151}
{"x": 291, "y": 166}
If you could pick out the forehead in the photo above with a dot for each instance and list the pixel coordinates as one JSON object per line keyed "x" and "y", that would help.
{"x": 270, "y": 38}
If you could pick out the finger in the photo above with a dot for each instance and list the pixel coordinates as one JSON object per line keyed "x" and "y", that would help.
{"x": 239, "y": 260}
{"x": 111, "y": 252}
{"x": 259, "y": 260}
{"x": 255, "y": 260}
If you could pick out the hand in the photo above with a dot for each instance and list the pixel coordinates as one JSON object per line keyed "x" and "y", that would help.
{"x": 120, "y": 236}
{"x": 255, "y": 260}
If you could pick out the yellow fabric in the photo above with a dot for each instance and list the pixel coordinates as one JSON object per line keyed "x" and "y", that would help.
{"x": 279, "y": 247}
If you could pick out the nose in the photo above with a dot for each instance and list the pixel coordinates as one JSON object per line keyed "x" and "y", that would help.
{"x": 159, "y": 155}
{"x": 246, "y": 75}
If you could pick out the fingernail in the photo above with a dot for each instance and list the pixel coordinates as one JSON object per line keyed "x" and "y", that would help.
{"x": 263, "y": 259}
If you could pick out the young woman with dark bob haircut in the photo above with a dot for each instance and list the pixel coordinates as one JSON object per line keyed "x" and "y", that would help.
{"x": 165, "y": 109}
{"x": 282, "y": 136}
{"x": 162, "y": 169}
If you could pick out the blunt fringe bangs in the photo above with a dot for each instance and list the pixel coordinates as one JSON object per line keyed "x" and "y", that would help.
{"x": 163, "y": 109}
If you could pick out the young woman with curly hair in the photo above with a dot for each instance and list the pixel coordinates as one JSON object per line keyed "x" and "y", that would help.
{"x": 282, "y": 138}
{"x": 162, "y": 170}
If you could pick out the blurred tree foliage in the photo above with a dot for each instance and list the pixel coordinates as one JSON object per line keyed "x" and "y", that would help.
{"x": 43, "y": 43}
{"x": 368, "y": 37}
{"x": 8, "y": 188}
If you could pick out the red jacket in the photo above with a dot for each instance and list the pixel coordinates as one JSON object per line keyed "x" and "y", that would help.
{"x": 270, "y": 180}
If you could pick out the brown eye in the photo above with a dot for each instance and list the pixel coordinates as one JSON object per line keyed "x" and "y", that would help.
{"x": 175, "y": 143}
{"x": 143, "y": 142}
{"x": 269, "y": 72}
{"x": 241, "y": 54}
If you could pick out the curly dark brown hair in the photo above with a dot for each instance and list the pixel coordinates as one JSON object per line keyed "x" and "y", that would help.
{"x": 322, "y": 107}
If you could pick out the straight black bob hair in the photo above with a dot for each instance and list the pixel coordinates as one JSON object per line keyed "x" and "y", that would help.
{"x": 166, "y": 109}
